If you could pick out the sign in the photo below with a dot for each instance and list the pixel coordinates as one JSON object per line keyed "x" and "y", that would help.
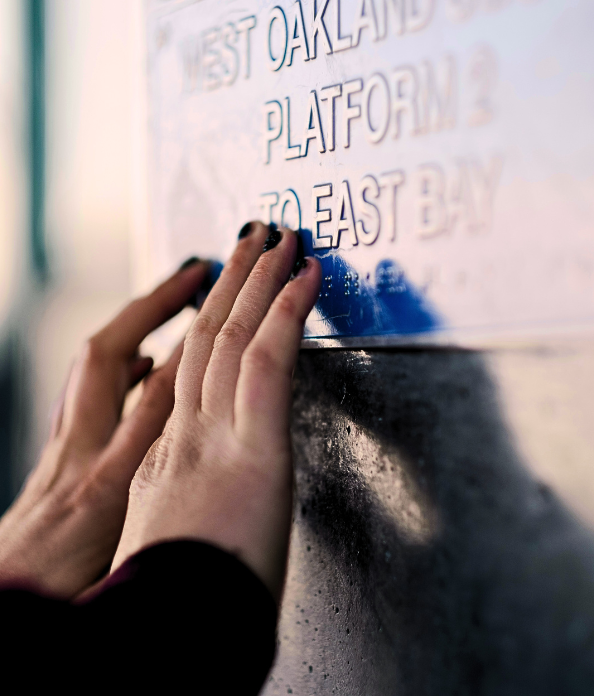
{"x": 437, "y": 155}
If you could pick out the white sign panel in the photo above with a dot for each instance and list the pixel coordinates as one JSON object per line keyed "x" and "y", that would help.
{"x": 437, "y": 155}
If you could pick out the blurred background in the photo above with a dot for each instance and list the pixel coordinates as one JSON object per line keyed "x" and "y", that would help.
{"x": 72, "y": 195}
{"x": 74, "y": 212}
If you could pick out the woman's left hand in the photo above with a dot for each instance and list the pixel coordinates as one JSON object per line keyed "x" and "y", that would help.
{"x": 63, "y": 530}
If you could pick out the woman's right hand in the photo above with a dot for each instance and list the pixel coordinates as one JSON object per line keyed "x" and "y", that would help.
{"x": 221, "y": 472}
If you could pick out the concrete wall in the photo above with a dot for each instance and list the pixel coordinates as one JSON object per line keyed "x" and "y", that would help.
{"x": 441, "y": 541}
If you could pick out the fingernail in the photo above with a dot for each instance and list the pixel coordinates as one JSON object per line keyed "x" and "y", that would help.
{"x": 245, "y": 230}
{"x": 299, "y": 269}
{"x": 213, "y": 271}
{"x": 300, "y": 264}
{"x": 272, "y": 240}
{"x": 192, "y": 261}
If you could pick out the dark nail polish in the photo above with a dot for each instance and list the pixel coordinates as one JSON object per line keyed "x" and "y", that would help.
{"x": 192, "y": 261}
{"x": 245, "y": 230}
{"x": 299, "y": 266}
{"x": 213, "y": 272}
{"x": 272, "y": 240}
{"x": 300, "y": 261}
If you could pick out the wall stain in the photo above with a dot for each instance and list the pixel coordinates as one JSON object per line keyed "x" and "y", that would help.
{"x": 493, "y": 590}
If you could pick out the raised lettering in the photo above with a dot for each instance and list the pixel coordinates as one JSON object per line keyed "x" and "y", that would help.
{"x": 391, "y": 181}
{"x": 244, "y": 26}
{"x": 273, "y": 126}
{"x": 379, "y": 84}
{"x": 320, "y": 216}
{"x": 344, "y": 218}
{"x": 313, "y": 125}
{"x": 297, "y": 35}
{"x": 290, "y": 202}
{"x": 368, "y": 188}
{"x": 291, "y": 151}
{"x": 230, "y": 55}
{"x": 340, "y": 43}
{"x": 330, "y": 95}
{"x": 319, "y": 28}
{"x": 267, "y": 202}
{"x": 365, "y": 18}
{"x": 350, "y": 111}
{"x": 211, "y": 58}
{"x": 430, "y": 208}
{"x": 438, "y": 96}
{"x": 277, "y": 16}
{"x": 405, "y": 85}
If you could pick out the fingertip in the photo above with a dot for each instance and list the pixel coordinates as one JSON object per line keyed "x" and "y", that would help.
{"x": 308, "y": 265}
{"x": 140, "y": 368}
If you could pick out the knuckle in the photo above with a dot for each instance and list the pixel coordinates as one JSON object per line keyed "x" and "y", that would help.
{"x": 152, "y": 462}
{"x": 260, "y": 359}
{"x": 156, "y": 385}
{"x": 237, "y": 263}
{"x": 95, "y": 490}
{"x": 234, "y": 332}
{"x": 95, "y": 350}
{"x": 204, "y": 325}
{"x": 287, "y": 306}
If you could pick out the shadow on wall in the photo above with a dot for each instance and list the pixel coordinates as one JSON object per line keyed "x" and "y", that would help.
{"x": 465, "y": 574}
{"x": 425, "y": 558}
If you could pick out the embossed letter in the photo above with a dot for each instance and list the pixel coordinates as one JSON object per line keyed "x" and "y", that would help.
{"x": 267, "y": 203}
{"x": 244, "y": 26}
{"x": 330, "y": 94}
{"x": 290, "y": 200}
{"x": 431, "y": 213}
{"x": 368, "y": 187}
{"x": 211, "y": 58}
{"x": 320, "y": 216}
{"x": 277, "y": 15}
{"x": 365, "y": 18}
{"x": 272, "y": 131}
{"x": 438, "y": 96}
{"x": 391, "y": 181}
{"x": 340, "y": 43}
{"x": 375, "y": 135}
{"x": 297, "y": 35}
{"x": 344, "y": 219}
{"x": 231, "y": 57}
{"x": 291, "y": 151}
{"x": 319, "y": 27}
{"x": 350, "y": 111}
{"x": 313, "y": 125}
{"x": 405, "y": 85}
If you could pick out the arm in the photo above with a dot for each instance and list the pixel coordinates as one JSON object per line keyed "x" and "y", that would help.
{"x": 219, "y": 473}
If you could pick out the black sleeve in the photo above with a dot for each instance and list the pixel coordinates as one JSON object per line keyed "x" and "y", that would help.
{"x": 181, "y": 617}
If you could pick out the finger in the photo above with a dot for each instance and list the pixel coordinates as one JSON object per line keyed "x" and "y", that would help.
{"x": 214, "y": 313}
{"x": 107, "y": 367}
{"x": 145, "y": 424}
{"x": 265, "y": 282}
{"x": 125, "y": 333}
{"x": 57, "y": 409}
{"x": 139, "y": 369}
{"x": 263, "y": 399}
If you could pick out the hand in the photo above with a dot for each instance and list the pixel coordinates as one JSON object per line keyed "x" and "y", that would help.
{"x": 221, "y": 472}
{"x": 63, "y": 530}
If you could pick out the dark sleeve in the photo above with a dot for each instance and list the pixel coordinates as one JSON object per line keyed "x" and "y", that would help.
{"x": 181, "y": 617}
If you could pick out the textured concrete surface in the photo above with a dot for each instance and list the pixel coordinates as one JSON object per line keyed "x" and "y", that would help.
{"x": 428, "y": 556}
